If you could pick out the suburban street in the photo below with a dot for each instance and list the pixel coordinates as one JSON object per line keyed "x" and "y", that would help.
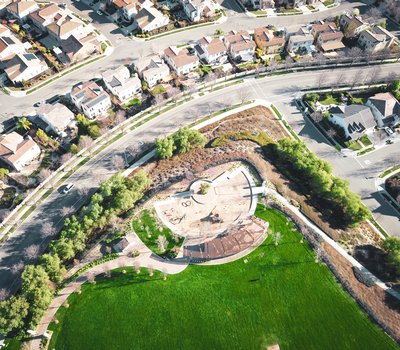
{"x": 126, "y": 50}
{"x": 280, "y": 90}
{"x": 276, "y": 89}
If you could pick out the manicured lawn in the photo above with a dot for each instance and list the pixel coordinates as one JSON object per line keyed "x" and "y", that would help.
{"x": 159, "y": 89}
{"x": 279, "y": 296}
{"x": 329, "y": 100}
{"x": 365, "y": 140}
{"x": 353, "y": 145}
{"x": 131, "y": 103}
{"x": 148, "y": 228}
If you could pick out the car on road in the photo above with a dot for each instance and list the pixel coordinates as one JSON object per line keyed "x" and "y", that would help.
{"x": 389, "y": 142}
{"x": 389, "y": 131}
{"x": 67, "y": 188}
{"x": 99, "y": 12}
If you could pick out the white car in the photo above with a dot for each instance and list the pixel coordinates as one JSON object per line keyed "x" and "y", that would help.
{"x": 68, "y": 188}
{"x": 99, "y": 12}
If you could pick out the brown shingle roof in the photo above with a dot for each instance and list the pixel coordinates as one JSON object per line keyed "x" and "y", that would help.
{"x": 213, "y": 45}
{"x": 181, "y": 57}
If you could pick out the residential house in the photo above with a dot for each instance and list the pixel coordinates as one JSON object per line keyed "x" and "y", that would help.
{"x": 148, "y": 19}
{"x": 56, "y": 118}
{"x": 263, "y": 4}
{"x": 376, "y": 39}
{"x": 355, "y": 120}
{"x": 91, "y": 99}
{"x": 23, "y": 67}
{"x": 121, "y": 84}
{"x": 58, "y": 22}
{"x": 195, "y": 10}
{"x": 386, "y": 109}
{"x": 268, "y": 41}
{"x": 17, "y": 151}
{"x": 10, "y": 45}
{"x": 212, "y": 50}
{"x": 20, "y": 9}
{"x": 327, "y": 36}
{"x": 301, "y": 42}
{"x": 129, "y": 8}
{"x": 3, "y": 6}
{"x": 351, "y": 25}
{"x": 180, "y": 60}
{"x": 4, "y": 31}
{"x": 78, "y": 49}
{"x": 152, "y": 69}
{"x": 240, "y": 45}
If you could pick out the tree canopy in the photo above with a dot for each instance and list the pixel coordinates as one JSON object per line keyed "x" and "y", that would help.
{"x": 315, "y": 177}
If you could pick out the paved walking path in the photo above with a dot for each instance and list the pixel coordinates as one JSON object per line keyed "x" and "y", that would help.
{"x": 145, "y": 259}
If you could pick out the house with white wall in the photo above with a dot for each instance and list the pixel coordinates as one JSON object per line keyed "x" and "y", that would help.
{"x": 121, "y": 84}
{"x": 240, "y": 45}
{"x": 212, "y": 50}
{"x": 386, "y": 109}
{"x": 195, "y": 10}
{"x": 10, "y": 45}
{"x": 180, "y": 60}
{"x": 18, "y": 151}
{"x": 20, "y": 9}
{"x": 91, "y": 99}
{"x": 355, "y": 120}
{"x": 152, "y": 69}
{"x": 301, "y": 42}
{"x": 23, "y": 67}
{"x": 148, "y": 19}
{"x": 376, "y": 39}
{"x": 56, "y": 118}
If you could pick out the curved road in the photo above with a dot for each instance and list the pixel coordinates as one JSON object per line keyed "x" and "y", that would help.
{"x": 280, "y": 90}
{"x": 127, "y": 50}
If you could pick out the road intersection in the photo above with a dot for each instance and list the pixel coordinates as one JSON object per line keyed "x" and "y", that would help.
{"x": 279, "y": 89}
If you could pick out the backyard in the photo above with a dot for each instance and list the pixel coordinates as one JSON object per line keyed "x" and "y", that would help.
{"x": 277, "y": 294}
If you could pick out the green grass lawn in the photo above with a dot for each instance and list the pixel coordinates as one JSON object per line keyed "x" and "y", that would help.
{"x": 329, "y": 100}
{"x": 279, "y": 296}
{"x": 131, "y": 103}
{"x": 365, "y": 140}
{"x": 148, "y": 228}
{"x": 353, "y": 145}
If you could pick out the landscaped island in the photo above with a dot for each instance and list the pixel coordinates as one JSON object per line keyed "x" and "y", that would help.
{"x": 277, "y": 294}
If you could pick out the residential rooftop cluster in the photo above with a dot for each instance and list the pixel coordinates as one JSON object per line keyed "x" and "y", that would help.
{"x": 42, "y": 38}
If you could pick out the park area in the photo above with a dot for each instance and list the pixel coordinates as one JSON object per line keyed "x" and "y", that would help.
{"x": 278, "y": 294}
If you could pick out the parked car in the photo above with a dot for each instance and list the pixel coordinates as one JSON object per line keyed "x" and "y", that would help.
{"x": 389, "y": 142}
{"x": 389, "y": 131}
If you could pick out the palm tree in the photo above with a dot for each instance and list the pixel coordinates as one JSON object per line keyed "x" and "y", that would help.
{"x": 24, "y": 123}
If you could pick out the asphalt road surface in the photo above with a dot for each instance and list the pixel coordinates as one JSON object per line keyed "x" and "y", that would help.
{"x": 280, "y": 90}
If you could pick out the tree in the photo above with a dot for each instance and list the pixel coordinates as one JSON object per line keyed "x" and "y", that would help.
{"x": 158, "y": 101}
{"x": 48, "y": 230}
{"x": 67, "y": 211}
{"x": 17, "y": 268}
{"x": 218, "y": 32}
{"x": 52, "y": 265}
{"x": 37, "y": 289}
{"x": 24, "y": 124}
{"x": 3, "y": 173}
{"x": 12, "y": 314}
{"x": 162, "y": 243}
{"x": 392, "y": 246}
{"x": 243, "y": 94}
{"x": 94, "y": 131}
{"x": 31, "y": 252}
{"x": 85, "y": 142}
{"x": 74, "y": 149}
{"x": 118, "y": 161}
{"x": 165, "y": 147}
{"x": 185, "y": 139}
{"x": 44, "y": 174}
